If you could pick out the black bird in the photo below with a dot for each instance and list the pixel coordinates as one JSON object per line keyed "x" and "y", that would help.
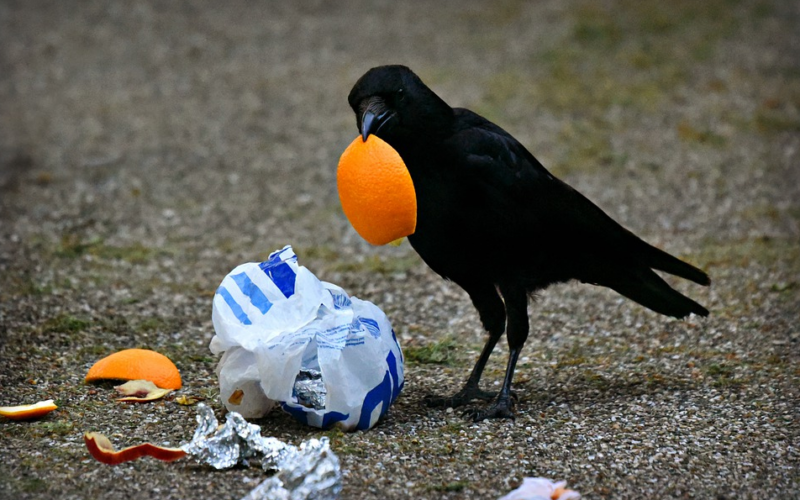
{"x": 475, "y": 183}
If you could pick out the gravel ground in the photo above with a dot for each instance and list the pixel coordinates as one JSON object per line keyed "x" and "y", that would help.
{"x": 147, "y": 148}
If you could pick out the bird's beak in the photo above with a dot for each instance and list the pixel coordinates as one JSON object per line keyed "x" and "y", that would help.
{"x": 374, "y": 117}
{"x": 368, "y": 124}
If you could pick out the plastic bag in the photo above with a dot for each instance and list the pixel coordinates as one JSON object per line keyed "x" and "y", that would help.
{"x": 539, "y": 488}
{"x": 290, "y": 339}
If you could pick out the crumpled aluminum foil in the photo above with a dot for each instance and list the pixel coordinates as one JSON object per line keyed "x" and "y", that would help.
{"x": 314, "y": 474}
{"x": 311, "y": 471}
{"x": 309, "y": 389}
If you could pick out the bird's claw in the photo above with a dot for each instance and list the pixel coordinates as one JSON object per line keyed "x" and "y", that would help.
{"x": 499, "y": 409}
{"x": 461, "y": 398}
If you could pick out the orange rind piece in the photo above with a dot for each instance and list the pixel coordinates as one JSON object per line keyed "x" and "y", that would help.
{"x": 376, "y": 191}
{"x": 185, "y": 400}
{"x": 236, "y": 397}
{"x": 561, "y": 491}
{"x": 137, "y": 364}
{"x": 102, "y": 450}
{"x": 28, "y": 412}
{"x": 140, "y": 391}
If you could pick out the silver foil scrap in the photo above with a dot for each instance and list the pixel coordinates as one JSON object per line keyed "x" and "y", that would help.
{"x": 310, "y": 471}
{"x": 314, "y": 474}
{"x": 309, "y": 389}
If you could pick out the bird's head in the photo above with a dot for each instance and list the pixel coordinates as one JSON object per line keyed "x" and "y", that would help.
{"x": 393, "y": 103}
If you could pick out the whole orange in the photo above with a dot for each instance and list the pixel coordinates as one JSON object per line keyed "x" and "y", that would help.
{"x": 376, "y": 191}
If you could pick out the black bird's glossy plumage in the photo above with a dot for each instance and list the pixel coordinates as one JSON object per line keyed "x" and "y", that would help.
{"x": 492, "y": 219}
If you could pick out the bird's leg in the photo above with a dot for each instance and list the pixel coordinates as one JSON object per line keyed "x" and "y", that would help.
{"x": 503, "y": 406}
{"x": 470, "y": 391}
{"x": 516, "y": 301}
{"x": 492, "y": 313}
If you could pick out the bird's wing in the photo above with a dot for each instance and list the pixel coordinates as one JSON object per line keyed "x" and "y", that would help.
{"x": 533, "y": 204}
{"x": 498, "y": 163}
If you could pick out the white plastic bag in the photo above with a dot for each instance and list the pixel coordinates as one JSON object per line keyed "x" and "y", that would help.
{"x": 275, "y": 319}
{"x": 539, "y": 488}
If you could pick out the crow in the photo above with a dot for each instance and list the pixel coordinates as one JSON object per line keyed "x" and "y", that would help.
{"x": 475, "y": 183}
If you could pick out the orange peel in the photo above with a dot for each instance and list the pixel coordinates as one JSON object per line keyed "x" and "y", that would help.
{"x": 28, "y": 412}
{"x": 137, "y": 364}
{"x": 185, "y": 400}
{"x": 376, "y": 191}
{"x": 102, "y": 450}
{"x": 236, "y": 397}
{"x": 140, "y": 391}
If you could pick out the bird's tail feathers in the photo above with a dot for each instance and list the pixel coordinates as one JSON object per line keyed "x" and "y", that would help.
{"x": 661, "y": 260}
{"x": 649, "y": 290}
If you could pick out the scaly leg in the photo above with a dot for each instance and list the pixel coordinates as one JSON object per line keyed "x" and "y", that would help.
{"x": 492, "y": 312}
{"x": 516, "y": 301}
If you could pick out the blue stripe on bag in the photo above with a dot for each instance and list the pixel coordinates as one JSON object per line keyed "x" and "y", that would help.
{"x": 371, "y": 325}
{"x": 402, "y": 357}
{"x": 251, "y": 290}
{"x": 332, "y": 417}
{"x": 235, "y": 307}
{"x": 384, "y": 393}
{"x": 300, "y": 413}
{"x": 285, "y": 254}
{"x": 392, "y": 362}
{"x": 340, "y": 300}
{"x": 381, "y": 394}
{"x": 282, "y": 275}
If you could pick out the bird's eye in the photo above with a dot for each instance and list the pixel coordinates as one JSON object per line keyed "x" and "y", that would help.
{"x": 400, "y": 94}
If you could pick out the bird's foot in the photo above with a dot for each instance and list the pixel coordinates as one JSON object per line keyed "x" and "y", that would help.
{"x": 461, "y": 398}
{"x": 503, "y": 408}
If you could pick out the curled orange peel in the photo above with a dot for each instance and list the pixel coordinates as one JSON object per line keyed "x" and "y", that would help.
{"x": 28, "y": 412}
{"x": 102, "y": 450}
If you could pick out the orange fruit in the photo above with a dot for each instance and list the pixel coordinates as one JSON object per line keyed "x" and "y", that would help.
{"x": 26, "y": 412}
{"x": 137, "y": 364}
{"x": 376, "y": 191}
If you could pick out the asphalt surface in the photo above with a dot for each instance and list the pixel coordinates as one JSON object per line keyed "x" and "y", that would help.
{"x": 147, "y": 148}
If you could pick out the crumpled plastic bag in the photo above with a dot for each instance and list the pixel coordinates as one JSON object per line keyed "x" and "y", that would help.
{"x": 288, "y": 338}
{"x": 539, "y": 488}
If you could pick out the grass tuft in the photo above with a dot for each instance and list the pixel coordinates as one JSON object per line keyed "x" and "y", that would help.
{"x": 436, "y": 353}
